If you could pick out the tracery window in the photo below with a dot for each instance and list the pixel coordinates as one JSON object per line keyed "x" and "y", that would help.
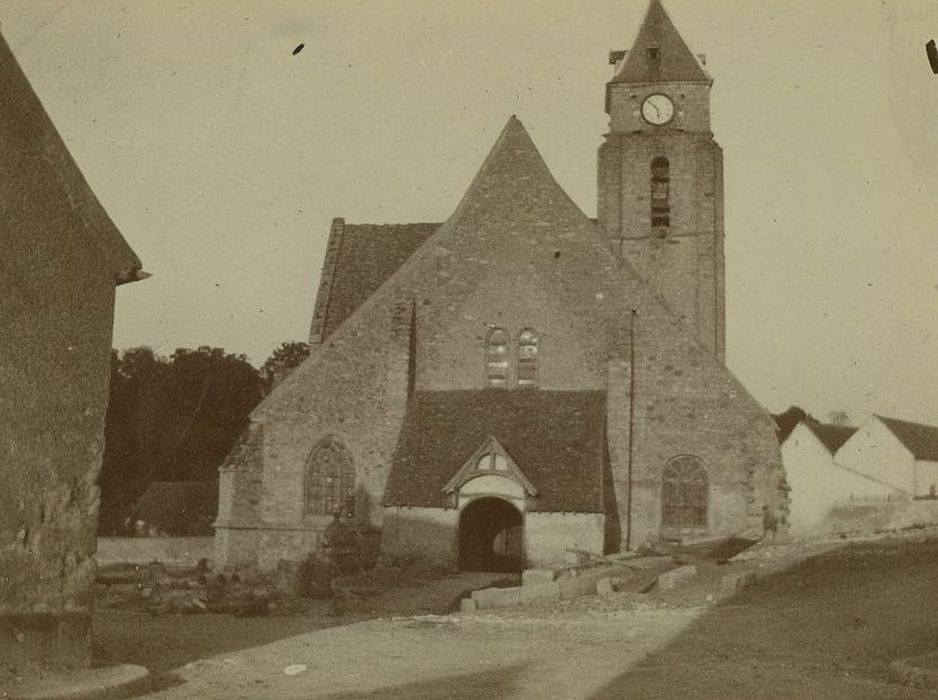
{"x": 684, "y": 493}
{"x": 527, "y": 358}
{"x": 660, "y": 197}
{"x": 496, "y": 359}
{"x": 330, "y": 478}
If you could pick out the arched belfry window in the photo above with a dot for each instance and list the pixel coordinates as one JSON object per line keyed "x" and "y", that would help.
{"x": 330, "y": 478}
{"x": 660, "y": 197}
{"x": 684, "y": 493}
{"x": 527, "y": 358}
{"x": 496, "y": 359}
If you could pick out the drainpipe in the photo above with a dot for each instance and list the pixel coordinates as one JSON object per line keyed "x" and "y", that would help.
{"x": 628, "y": 523}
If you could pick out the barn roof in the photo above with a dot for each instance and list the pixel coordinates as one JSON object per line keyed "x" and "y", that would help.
{"x": 920, "y": 439}
{"x": 177, "y": 507}
{"x": 29, "y": 134}
{"x": 555, "y": 437}
{"x": 831, "y": 436}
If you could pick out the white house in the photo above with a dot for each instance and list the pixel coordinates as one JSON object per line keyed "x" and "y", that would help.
{"x": 896, "y": 452}
{"x": 818, "y": 483}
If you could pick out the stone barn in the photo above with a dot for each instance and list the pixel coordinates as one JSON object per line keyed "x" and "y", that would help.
{"x": 520, "y": 380}
{"x": 60, "y": 260}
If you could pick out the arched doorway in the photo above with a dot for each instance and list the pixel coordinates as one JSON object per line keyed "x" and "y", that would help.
{"x": 490, "y": 536}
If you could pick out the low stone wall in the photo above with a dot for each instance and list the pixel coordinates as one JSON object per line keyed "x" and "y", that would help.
{"x": 871, "y": 516}
{"x": 143, "y": 550}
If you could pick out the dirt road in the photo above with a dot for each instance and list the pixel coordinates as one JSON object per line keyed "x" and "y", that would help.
{"x": 826, "y": 628}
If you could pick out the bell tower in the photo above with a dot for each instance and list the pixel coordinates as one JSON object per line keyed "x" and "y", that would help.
{"x": 660, "y": 184}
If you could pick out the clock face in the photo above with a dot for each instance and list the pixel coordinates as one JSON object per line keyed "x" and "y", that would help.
{"x": 658, "y": 109}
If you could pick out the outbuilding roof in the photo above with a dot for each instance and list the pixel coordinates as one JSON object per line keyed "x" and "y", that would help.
{"x": 177, "y": 507}
{"x": 555, "y": 437}
{"x": 920, "y": 439}
{"x": 831, "y": 436}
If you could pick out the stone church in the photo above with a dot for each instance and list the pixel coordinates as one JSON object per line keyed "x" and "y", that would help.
{"x": 521, "y": 380}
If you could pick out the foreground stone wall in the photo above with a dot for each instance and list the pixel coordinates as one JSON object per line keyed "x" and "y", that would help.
{"x": 185, "y": 551}
{"x": 872, "y": 515}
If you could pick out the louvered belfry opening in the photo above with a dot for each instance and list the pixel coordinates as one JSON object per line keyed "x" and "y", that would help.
{"x": 660, "y": 197}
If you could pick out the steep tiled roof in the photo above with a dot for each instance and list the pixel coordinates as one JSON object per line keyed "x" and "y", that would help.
{"x": 29, "y": 134}
{"x": 555, "y": 437}
{"x": 365, "y": 256}
{"x": 831, "y": 436}
{"x": 921, "y": 440}
{"x": 675, "y": 62}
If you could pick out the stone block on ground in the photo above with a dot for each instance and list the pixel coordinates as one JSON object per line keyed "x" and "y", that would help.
{"x": 677, "y": 577}
{"x": 488, "y": 598}
{"x": 290, "y": 577}
{"x": 737, "y": 581}
{"x": 540, "y": 593}
{"x": 467, "y": 605}
{"x": 533, "y": 577}
{"x": 604, "y": 586}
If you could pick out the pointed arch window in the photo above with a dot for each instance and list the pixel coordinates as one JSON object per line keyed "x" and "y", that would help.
{"x": 660, "y": 197}
{"x": 684, "y": 493}
{"x": 330, "y": 478}
{"x": 496, "y": 359}
{"x": 527, "y": 358}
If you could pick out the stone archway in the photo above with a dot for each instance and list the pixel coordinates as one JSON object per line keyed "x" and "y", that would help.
{"x": 491, "y": 536}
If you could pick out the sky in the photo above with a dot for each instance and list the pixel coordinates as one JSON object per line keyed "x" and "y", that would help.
{"x": 222, "y": 157}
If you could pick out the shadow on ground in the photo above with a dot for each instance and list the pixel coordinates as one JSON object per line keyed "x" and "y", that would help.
{"x": 490, "y": 683}
{"x": 826, "y": 628}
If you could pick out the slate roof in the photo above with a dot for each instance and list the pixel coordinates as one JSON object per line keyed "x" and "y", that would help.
{"x": 676, "y": 62}
{"x": 367, "y": 255}
{"x": 831, "y": 436}
{"x": 556, "y": 438}
{"x": 178, "y": 508}
{"x": 31, "y": 133}
{"x": 921, "y": 440}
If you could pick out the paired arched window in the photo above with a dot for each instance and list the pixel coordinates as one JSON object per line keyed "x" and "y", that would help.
{"x": 660, "y": 197}
{"x": 684, "y": 493}
{"x": 527, "y": 358}
{"x": 498, "y": 359}
{"x": 330, "y": 478}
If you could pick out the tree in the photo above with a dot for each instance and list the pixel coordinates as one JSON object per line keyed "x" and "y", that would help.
{"x": 289, "y": 355}
{"x": 171, "y": 419}
{"x": 838, "y": 418}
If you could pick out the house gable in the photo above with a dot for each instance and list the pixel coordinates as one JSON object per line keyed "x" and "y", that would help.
{"x": 30, "y": 142}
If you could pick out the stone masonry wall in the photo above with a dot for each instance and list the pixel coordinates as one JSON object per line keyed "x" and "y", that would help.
{"x": 57, "y": 303}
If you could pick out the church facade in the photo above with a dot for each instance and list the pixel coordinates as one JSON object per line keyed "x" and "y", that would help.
{"x": 520, "y": 380}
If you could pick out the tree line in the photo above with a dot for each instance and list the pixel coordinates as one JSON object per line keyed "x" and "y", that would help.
{"x": 176, "y": 418}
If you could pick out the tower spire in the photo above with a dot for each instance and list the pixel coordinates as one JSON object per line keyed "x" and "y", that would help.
{"x": 660, "y": 54}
